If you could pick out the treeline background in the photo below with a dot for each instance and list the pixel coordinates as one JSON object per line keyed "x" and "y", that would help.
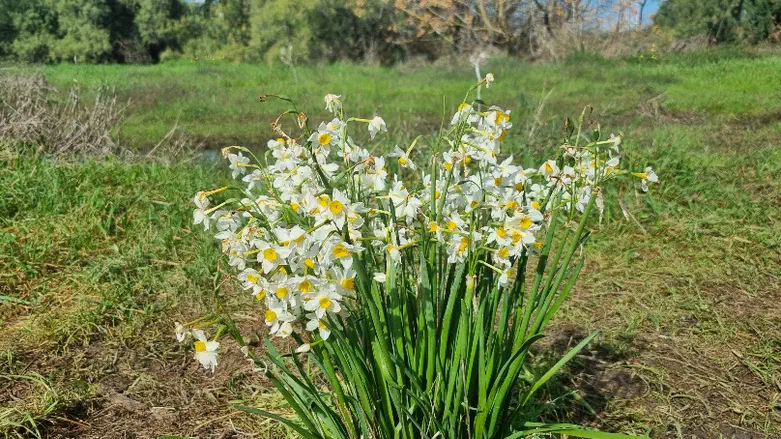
{"x": 372, "y": 31}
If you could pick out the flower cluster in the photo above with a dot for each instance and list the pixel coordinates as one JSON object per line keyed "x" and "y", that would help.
{"x": 322, "y": 199}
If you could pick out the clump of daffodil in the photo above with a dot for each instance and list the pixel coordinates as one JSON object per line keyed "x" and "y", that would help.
{"x": 326, "y": 228}
{"x": 294, "y": 237}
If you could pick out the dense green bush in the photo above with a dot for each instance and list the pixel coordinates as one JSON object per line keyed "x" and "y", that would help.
{"x": 140, "y": 31}
{"x": 90, "y": 30}
{"x": 722, "y": 20}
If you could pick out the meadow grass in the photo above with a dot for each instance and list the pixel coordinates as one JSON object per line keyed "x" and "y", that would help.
{"x": 218, "y": 102}
{"x": 98, "y": 258}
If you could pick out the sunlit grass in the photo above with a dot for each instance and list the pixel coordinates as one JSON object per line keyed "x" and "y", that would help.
{"x": 218, "y": 101}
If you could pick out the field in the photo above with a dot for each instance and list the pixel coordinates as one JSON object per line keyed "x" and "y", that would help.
{"x": 98, "y": 258}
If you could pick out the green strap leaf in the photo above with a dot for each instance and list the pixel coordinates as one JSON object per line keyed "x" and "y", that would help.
{"x": 549, "y": 313}
{"x": 298, "y": 428}
{"x": 553, "y": 370}
{"x": 570, "y": 430}
{"x": 594, "y": 434}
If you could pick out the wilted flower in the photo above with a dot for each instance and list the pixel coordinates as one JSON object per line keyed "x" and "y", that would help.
{"x": 489, "y": 79}
{"x": 332, "y": 103}
{"x": 181, "y": 332}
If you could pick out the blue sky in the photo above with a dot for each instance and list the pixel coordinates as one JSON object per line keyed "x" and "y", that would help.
{"x": 650, "y": 9}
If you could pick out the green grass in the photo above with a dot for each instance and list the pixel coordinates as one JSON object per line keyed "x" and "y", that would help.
{"x": 100, "y": 258}
{"x": 218, "y": 102}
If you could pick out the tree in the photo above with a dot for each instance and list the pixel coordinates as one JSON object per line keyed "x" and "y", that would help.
{"x": 159, "y": 25}
{"x": 89, "y": 30}
{"x": 721, "y": 20}
{"x": 32, "y": 25}
{"x": 282, "y": 27}
{"x": 7, "y": 30}
{"x": 217, "y": 28}
{"x": 81, "y": 35}
{"x": 353, "y": 30}
{"x": 465, "y": 24}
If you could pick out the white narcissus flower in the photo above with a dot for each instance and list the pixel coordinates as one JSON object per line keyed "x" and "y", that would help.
{"x": 335, "y": 125}
{"x": 272, "y": 256}
{"x": 645, "y": 177}
{"x": 505, "y": 172}
{"x": 304, "y": 348}
{"x": 584, "y": 195}
{"x": 409, "y": 209}
{"x": 376, "y": 125}
{"x": 336, "y": 250}
{"x": 200, "y": 215}
{"x": 454, "y": 223}
{"x": 403, "y": 158}
{"x": 616, "y": 140}
{"x": 287, "y": 159}
{"x": 611, "y": 165}
{"x": 345, "y": 280}
{"x": 549, "y": 169}
{"x": 205, "y": 350}
{"x": 535, "y": 215}
{"x": 324, "y": 301}
{"x": 238, "y": 164}
{"x": 568, "y": 175}
{"x": 255, "y": 283}
{"x": 322, "y": 139}
{"x": 279, "y": 319}
{"x": 380, "y": 277}
{"x": 394, "y": 253}
{"x": 435, "y": 230}
{"x": 351, "y": 152}
{"x": 473, "y": 199}
{"x": 375, "y": 173}
{"x": 227, "y": 224}
{"x": 336, "y": 208}
{"x": 254, "y": 180}
{"x": 273, "y": 144}
{"x": 458, "y": 249}
{"x": 398, "y": 193}
{"x": 499, "y": 235}
{"x": 502, "y": 256}
{"x": 465, "y": 112}
{"x": 504, "y": 278}
{"x": 317, "y": 324}
{"x": 290, "y": 237}
{"x": 236, "y": 258}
